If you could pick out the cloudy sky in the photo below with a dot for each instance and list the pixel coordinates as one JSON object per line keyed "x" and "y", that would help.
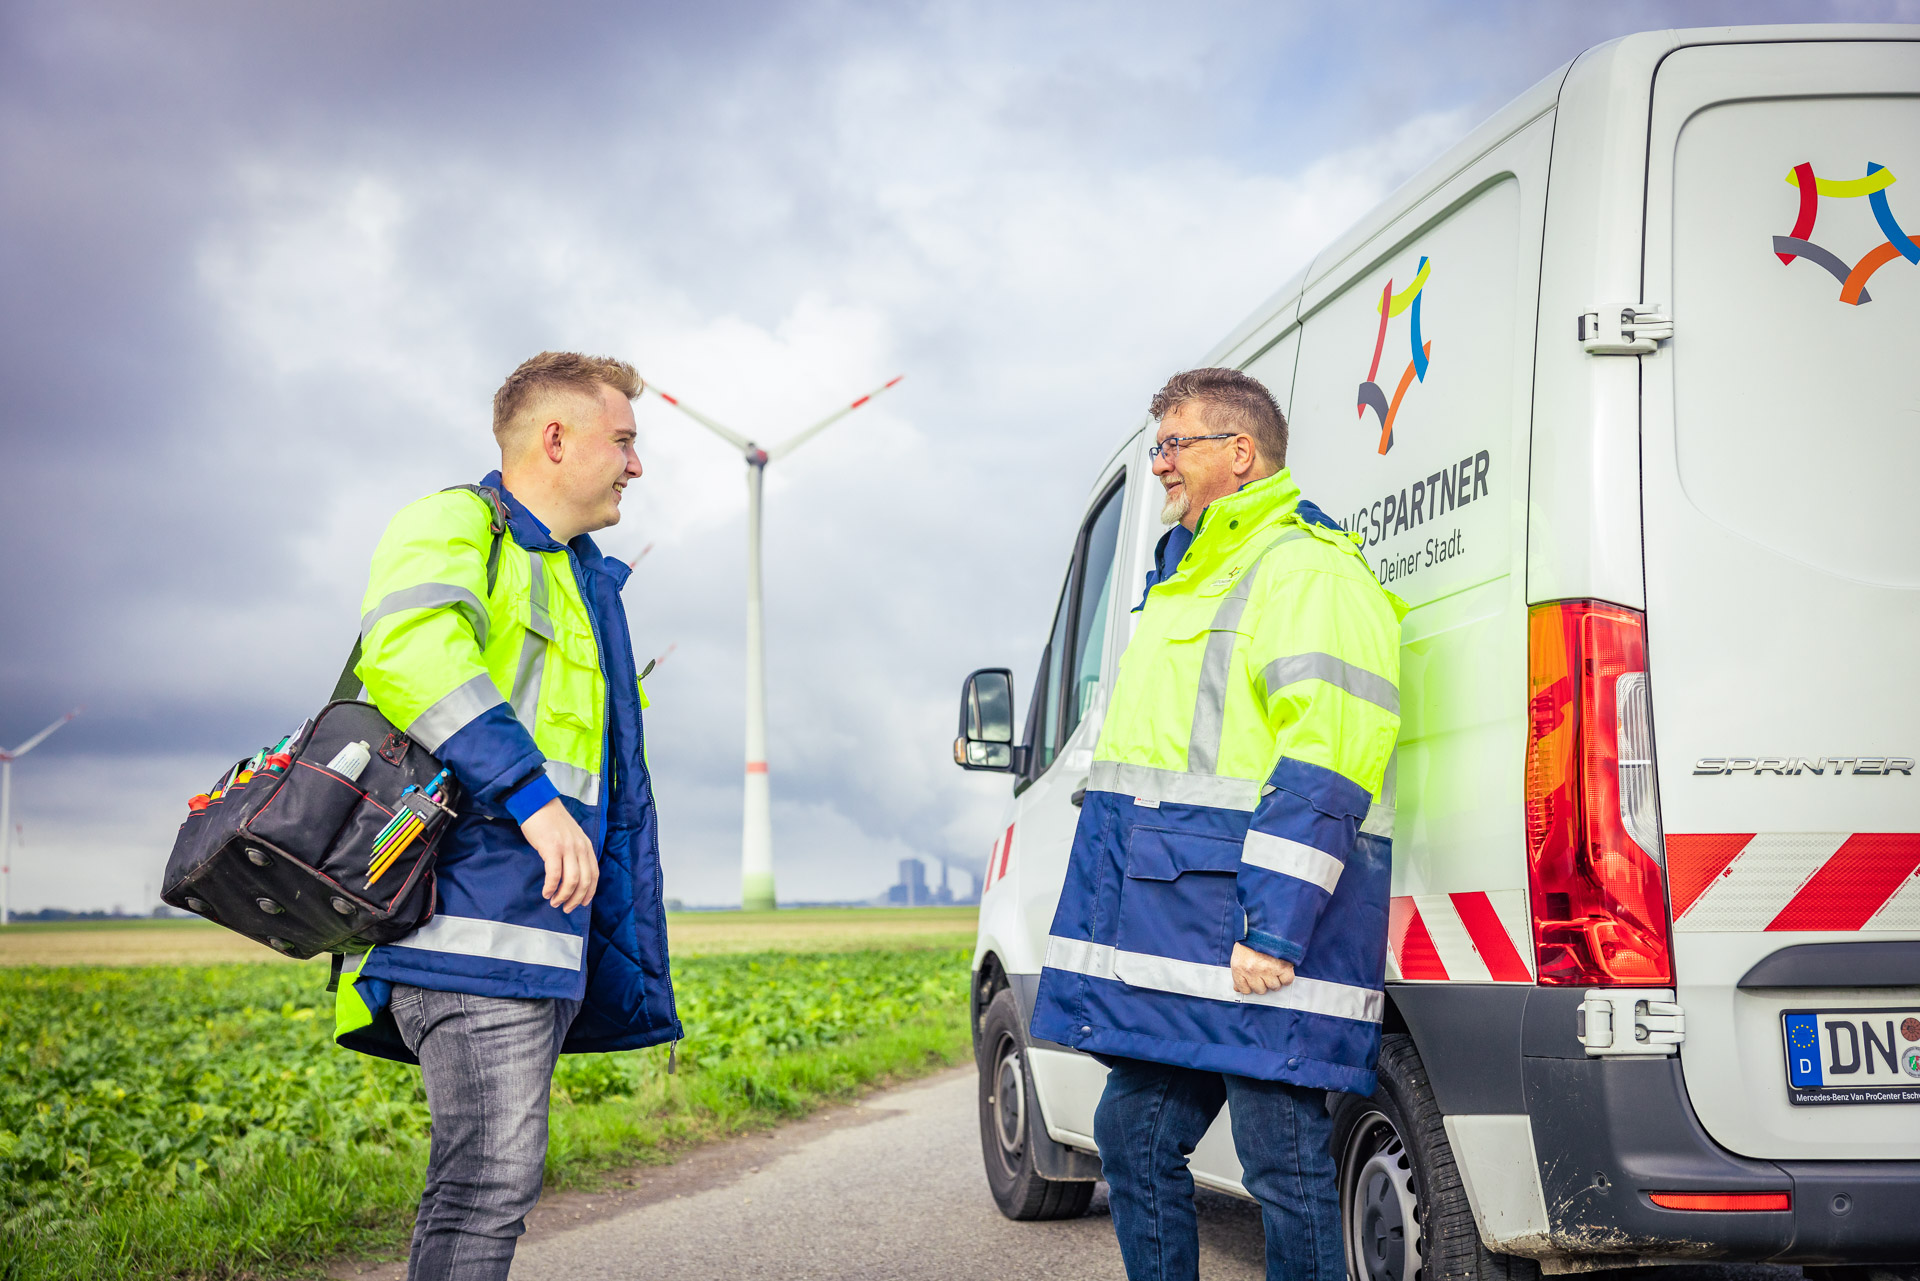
{"x": 265, "y": 265}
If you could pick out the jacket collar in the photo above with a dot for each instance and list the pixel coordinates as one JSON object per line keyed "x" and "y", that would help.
{"x": 532, "y": 533}
{"x": 1229, "y": 524}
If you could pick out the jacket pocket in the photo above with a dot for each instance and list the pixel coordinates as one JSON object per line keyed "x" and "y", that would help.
{"x": 1178, "y": 900}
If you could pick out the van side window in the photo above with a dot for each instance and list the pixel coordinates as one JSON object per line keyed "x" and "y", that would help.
{"x": 1101, "y": 543}
{"x": 1070, "y": 668}
{"x": 1056, "y": 654}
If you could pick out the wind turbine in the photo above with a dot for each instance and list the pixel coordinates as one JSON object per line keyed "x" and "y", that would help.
{"x": 6, "y": 810}
{"x": 756, "y": 833}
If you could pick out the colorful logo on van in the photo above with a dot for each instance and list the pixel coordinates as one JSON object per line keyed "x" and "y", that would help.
{"x": 1853, "y": 280}
{"x": 1391, "y": 305}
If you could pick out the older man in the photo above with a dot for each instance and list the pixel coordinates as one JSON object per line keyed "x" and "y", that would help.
{"x": 1221, "y": 938}
{"x": 495, "y": 638}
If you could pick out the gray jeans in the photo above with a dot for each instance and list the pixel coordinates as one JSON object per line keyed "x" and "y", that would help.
{"x": 488, "y": 1068}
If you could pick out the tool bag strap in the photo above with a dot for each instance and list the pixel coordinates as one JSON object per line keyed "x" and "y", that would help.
{"x": 349, "y": 684}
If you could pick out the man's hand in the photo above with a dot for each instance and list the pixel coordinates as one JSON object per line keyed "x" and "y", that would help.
{"x": 1256, "y": 973}
{"x": 573, "y": 873}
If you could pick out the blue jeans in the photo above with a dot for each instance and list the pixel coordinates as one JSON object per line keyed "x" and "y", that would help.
{"x": 1149, "y": 1121}
{"x": 487, "y": 1062}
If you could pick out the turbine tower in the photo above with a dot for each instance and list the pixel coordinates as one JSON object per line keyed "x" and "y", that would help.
{"x": 6, "y": 811}
{"x": 756, "y": 834}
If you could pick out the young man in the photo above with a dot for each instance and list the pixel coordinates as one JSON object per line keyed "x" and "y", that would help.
{"x": 549, "y": 936}
{"x": 1221, "y": 938}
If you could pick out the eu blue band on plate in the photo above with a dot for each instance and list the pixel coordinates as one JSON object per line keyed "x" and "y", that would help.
{"x": 1803, "y": 1051}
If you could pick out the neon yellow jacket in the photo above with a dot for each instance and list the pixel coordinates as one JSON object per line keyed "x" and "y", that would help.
{"x": 526, "y": 692}
{"x": 1239, "y": 793}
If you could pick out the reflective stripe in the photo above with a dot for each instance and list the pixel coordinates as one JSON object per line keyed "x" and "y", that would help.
{"x": 526, "y": 681}
{"x": 1210, "y": 982}
{"x": 430, "y": 596}
{"x": 1155, "y": 786}
{"x": 533, "y": 649}
{"x": 1339, "y": 673}
{"x": 467, "y": 703}
{"x": 1379, "y": 819}
{"x": 570, "y": 780}
{"x": 1292, "y": 858}
{"x": 1210, "y": 703}
{"x": 471, "y": 936}
{"x": 539, "y": 620}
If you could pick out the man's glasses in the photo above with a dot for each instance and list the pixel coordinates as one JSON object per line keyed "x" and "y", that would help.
{"x": 1171, "y": 445}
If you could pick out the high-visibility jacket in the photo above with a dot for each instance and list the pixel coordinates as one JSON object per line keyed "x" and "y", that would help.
{"x": 1239, "y": 793}
{"x": 526, "y": 692}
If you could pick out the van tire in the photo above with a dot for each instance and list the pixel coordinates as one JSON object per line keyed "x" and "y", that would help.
{"x": 1008, "y": 1115}
{"x": 1398, "y": 1183}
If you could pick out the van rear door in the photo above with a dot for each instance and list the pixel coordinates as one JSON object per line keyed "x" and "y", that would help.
{"x": 1780, "y": 461}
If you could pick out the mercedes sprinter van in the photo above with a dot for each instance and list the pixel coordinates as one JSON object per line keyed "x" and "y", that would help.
{"x": 1622, "y": 396}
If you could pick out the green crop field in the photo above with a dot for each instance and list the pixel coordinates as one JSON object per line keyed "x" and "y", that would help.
{"x": 197, "y": 1121}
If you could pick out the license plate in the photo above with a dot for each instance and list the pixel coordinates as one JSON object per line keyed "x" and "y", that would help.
{"x": 1852, "y": 1056}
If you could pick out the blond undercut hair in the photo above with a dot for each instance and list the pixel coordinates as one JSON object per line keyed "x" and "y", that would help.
{"x": 554, "y": 371}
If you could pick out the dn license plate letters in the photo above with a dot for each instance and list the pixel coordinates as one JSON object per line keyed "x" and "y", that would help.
{"x": 1852, "y": 1056}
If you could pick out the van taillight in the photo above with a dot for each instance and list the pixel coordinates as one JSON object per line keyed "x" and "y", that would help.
{"x": 1593, "y": 816}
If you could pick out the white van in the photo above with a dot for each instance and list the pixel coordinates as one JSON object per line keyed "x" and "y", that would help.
{"x": 1623, "y": 396}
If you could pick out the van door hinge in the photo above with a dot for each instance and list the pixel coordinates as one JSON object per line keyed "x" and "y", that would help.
{"x": 1630, "y": 1022}
{"x": 1624, "y": 329}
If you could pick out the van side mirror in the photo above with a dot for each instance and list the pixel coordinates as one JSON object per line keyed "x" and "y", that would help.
{"x": 986, "y": 722}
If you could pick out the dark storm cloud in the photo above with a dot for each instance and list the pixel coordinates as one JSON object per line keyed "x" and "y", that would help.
{"x": 265, "y": 265}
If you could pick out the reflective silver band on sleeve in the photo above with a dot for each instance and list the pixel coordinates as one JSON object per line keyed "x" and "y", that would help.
{"x": 1210, "y": 982}
{"x": 570, "y": 780}
{"x": 472, "y": 936}
{"x": 1174, "y": 787}
{"x": 431, "y": 596}
{"x": 1337, "y": 672}
{"x": 466, "y": 704}
{"x": 1292, "y": 858}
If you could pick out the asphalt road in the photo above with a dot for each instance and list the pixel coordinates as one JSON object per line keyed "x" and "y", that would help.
{"x": 891, "y": 1189}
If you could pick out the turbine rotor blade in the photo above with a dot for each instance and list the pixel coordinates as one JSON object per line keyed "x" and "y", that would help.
{"x": 39, "y": 738}
{"x": 794, "y": 442}
{"x": 727, "y": 434}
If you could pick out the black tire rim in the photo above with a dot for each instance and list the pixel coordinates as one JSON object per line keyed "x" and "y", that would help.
{"x": 1009, "y": 1102}
{"x": 1378, "y": 1205}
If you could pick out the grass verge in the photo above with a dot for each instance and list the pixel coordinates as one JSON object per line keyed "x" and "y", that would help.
{"x": 196, "y": 1122}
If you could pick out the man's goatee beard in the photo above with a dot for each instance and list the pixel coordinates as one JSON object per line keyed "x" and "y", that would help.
{"x": 1176, "y": 509}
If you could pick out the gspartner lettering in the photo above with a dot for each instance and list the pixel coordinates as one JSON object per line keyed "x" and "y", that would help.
{"x": 1785, "y": 765}
{"x": 1424, "y": 500}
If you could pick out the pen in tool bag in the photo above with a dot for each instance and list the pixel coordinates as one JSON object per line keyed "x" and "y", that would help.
{"x": 402, "y": 829}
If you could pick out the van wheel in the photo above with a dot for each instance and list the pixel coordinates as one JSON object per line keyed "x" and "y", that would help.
{"x": 1403, "y": 1212}
{"x": 1008, "y": 1114}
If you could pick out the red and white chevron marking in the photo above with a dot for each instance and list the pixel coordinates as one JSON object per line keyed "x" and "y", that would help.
{"x": 1750, "y": 882}
{"x": 1475, "y": 937}
{"x": 1001, "y": 855}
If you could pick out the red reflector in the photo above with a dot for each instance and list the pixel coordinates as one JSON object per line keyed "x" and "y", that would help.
{"x": 1599, "y": 898}
{"x": 1723, "y": 1200}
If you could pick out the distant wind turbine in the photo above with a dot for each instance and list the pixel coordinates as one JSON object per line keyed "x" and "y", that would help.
{"x": 756, "y": 834}
{"x": 6, "y": 810}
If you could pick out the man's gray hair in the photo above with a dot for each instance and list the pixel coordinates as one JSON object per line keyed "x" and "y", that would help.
{"x": 1229, "y": 401}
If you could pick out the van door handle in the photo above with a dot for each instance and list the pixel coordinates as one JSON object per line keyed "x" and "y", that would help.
{"x": 1079, "y": 795}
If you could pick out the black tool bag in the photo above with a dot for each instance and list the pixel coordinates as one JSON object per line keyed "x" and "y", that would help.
{"x": 282, "y": 849}
{"x": 282, "y": 852}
